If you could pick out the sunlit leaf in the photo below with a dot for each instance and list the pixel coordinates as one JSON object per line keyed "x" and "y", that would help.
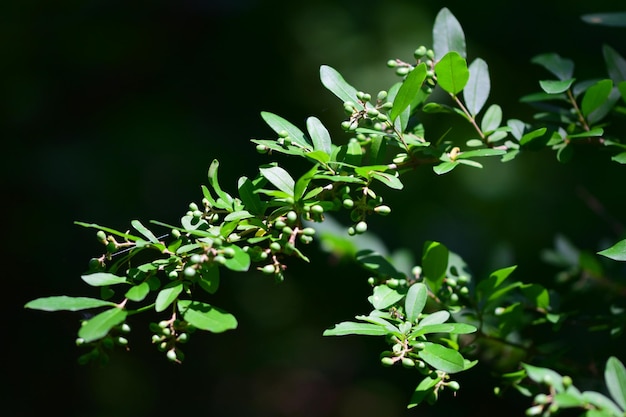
{"x": 415, "y": 301}
{"x": 480, "y": 153}
{"x": 616, "y": 252}
{"x": 615, "y": 379}
{"x": 434, "y": 264}
{"x": 99, "y": 326}
{"x": 492, "y": 119}
{"x": 206, "y": 317}
{"x": 65, "y": 303}
{"x": 280, "y": 125}
{"x": 452, "y": 73}
{"x": 422, "y": 391}
{"x": 100, "y": 279}
{"x": 445, "y": 167}
{"x": 279, "y": 178}
{"x": 437, "y": 317}
{"x": 333, "y": 81}
{"x": 138, "y": 292}
{"x": 556, "y": 87}
{"x": 384, "y": 297}
{"x": 595, "y": 96}
{"x": 319, "y": 135}
{"x": 167, "y": 295}
{"x": 563, "y": 68}
{"x": 349, "y": 327}
{"x": 144, "y": 231}
{"x": 408, "y": 90}
{"x": 442, "y": 358}
{"x": 240, "y": 261}
{"x": 478, "y": 86}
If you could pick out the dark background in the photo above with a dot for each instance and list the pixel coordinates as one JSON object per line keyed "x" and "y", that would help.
{"x": 112, "y": 111}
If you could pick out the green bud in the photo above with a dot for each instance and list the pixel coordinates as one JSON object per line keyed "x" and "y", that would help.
{"x": 454, "y": 386}
{"x": 175, "y": 233}
{"x": 393, "y": 283}
{"x": 197, "y": 214}
{"x": 463, "y": 290}
{"x": 419, "y": 346}
{"x": 292, "y": 216}
{"x": 346, "y": 125}
{"x": 262, "y": 149}
{"x": 164, "y": 324}
{"x": 220, "y": 259}
{"x": 122, "y": 341}
{"x": 372, "y": 112}
{"x": 567, "y": 381}
{"x": 402, "y": 71}
{"x": 102, "y": 237}
{"x": 306, "y": 239}
{"x": 287, "y": 230}
{"x": 382, "y": 210}
{"x": 499, "y": 311}
{"x": 162, "y": 346}
{"x": 387, "y": 361}
{"x": 308, "y": 231}
{"x": 193, "y": 206}
{"x": 111, "y": 247}
{"x": 392, "y": 63}
{"x": 182, "y": 338}
{"x": 408, "y": 363}
{"x": 172, "y": 274}
{"x": 534, "y": 410}
{"x": 416, "y": 271}
{"x": 171, "y": 355}
{"x": 348, "y": 203}
{"x": 354, "y": 125}
{"x": 228, "y": 252}
{"x": 382, "y": 95}
{"x": 351, "y": 231}
{"x": 283, "y": 134}
{"x": 317, "y": 209}
{"x": 430, "y": 54}
{"x": 542, "y": 399}
{"x": 268, "y": 269}
{"x": 156, "y": 338}
{"x": 80, "y": 341}
{"x": 420, "y": 52}
{"x": 361, "y": 227}
{"x": 189, "y": 272}
{"x": 279, "y": 224}
{"x": 275, "y": 246}
{"x": 125, "y": 328}
{"x": 371, "y": 280}
{"x": 195, "y": 258}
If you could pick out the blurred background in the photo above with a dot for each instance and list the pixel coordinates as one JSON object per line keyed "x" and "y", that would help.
{"x": 113, "y": 111}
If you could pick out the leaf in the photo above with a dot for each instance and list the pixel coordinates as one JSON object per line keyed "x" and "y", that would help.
{"x": 206, "y": 317}
{"x": 556, "y": 87}
{"x": 492, "y": 119}
{"x": 250, "y": 199}
{"x": 375, "y": 262}
{"x": 109, "y": 230}
{"x": 596, "y": 95}
{"x": 452, "y": 328}
{"x": 434, "y": 264}
{"x": 447, "y": 34}
{"x": 227, "y": 200}
{"x": 303, "y": 183}
{"x": 167, "y": 295}
{"x": 99, "y": 326}
{"x": 530, "y": 136}
{"x": 445, "y": 167}
{"x": 561, "y": 67}
{"x": 319, "y": 135}
{"x": 544, "y": 376}
{"x": 240, "y": 262}
{"x": 422, "y": 390}
{"x": 478, "y": 86}
{"x": 437, "y": 317}
{"x": 391, "y": 181}
{"x": 602, "y": 402}
{"x": 209, "y": 279}
{"x": 615, "y": 379}
{"x": 279, "y": 178}
{"x": 384, "y": 297}
{"x": 65, "y": 303}
{"x": 616, "y": 252}
{"x": 349, "y": 327}
{"x": 408, "y": 90}
{"x": 481, "y": 152}
{"x": 452, "y": 73}
{"x": 138, "y": 292}
{"x": 615, "y": 64}
{"x": 619, "y": 158}
{"x": 334, "y": 82}
{"x": 517, "y": 128}
{"x": 615, "y": 19}
{"x": 101, "y": 279}
{"x": 280, "y": 125}
{"x": 415, "y": 301}
{"x": 144, "y": 231}
{"x": 442, "y": 358}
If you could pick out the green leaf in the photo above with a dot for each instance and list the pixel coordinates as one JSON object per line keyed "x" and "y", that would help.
{"x": 423, "y": 390}
{"x": 319, "y": 135}
{"x": 544, "y": 376}
{"x": 615, "y": 64}
{"x": 437, "y": 317}
{"x": 478, "y": 86}
{"x": 452, "y": 73}
{"x": 335, "y": 83}
{"x": 303, "y": 183}
{"x": 616, "y": 252}
{"x": 138, "y": 292}
{"x": 109, "y": 230}
{"x": 595, "y": 96}
{"x": 556, "y": 87}
{"x": 561, "y": 67}
{"x": 209, "y": 279}
{"x": 99, "y": 326}
{"x": 249, "y": 197}
{"x": 349, "y": 327}
{"x": 492, "y": 119}
{"x": 391, "y": 181}
{"x": 408, "y": 90}
{"x": 240, "y": 262}
{"x": 206, "y": 317}
{"x": 279, "y": 178}
{"x": 452, "y": 328}
{"x": 101, "y": 279}
{"x": 538, "y": 294}
{"x": 384, "y": 297}
{"x": 481, "y": 152}
{"x": 615, "y": 19}
{"x": 442, "y": 358}
{"x": 445, "y": 167}
{"x": 620, "y": 158}
{"x": 447, "y": 34}
{"x": 65, "y": 303}
{"x": 530, "y": 136}
{"x": 615, "y": 379}
{"x": 603, "y": 402}
{"x": 225, "y": 198}
{"x": 434, "y": 264}
{"x": 415, "y": 301}
{"x": 144, "y": 231}
{"x": 280, "y": 125}
{"x": 167, "y": 295}
{"x": 375, "y": 262}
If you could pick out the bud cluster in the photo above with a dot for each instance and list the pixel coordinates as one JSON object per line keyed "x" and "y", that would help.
{"x": 168, "y": 335}
{"x": 99, "y": 349}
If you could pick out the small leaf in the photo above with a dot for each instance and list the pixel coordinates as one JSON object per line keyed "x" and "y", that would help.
{"x": 616, "y": 252}
{"x": 303, "y": 183}
{"x": 249, "y": 197}
{"x": 615, "y": 64}
{"x": 167, "y": 295}
{"x": 517, "y": 128}
{"x": 65, "y": 303}
{"x": 206, "y": 317}
{"x": 603, "y": 402}
{"x": 415, "y": 301}
{"x": 447, "y": 34}
{"x": 445, "y": 167}
{"x": 615, "y": 379}
{"x": 227, "y": 200}
{"x": 595, "y": 96}
{"x": 384, "y": 297}
{"x": 319, "y": 135}
{"x": 99, "y": 326}
{"x": 408, "y": 90}
{"x": 481, "y": 152}
{"x": 391, "y": 181}
{"x": 434, "y": 264}
{"x": 442, "y": 358}
{"x": 478, "y": 86}
{"x": 556, "y": 87}
{"x": 279, "y": 125}
{"x": 561, "y": 67}
{"x": 348, "y": 328}
{"x": 334, "y": 82}
{"x": 101, "y": 279}
{"x": 452, "y": 73}
{"x": 620, "y": 158}
{"x": 279, "y": 178}
{"x": 492, "y": 119}
{"x": 544, "y": 376}
{"x": 437, "y": 317}
{"x": 138, "y": 292}
{"x": 452, "y": 328}
{"x": 144, "y": 231}
{"x": 530, "y": 136}
{"x": 422, "y": 391}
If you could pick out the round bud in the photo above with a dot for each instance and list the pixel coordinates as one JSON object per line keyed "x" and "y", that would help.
{"x": 163, "y": 324}
{"x": 454, "y": 298}
{"x": 80, "y": 341}
{"x": 292, "y": 216}
{"x": 102, "y": 237}
{"x": 228, "y": 252}
{"x": 402, "y": 71}
{"x": 345, "y": 125}
{"x": 542, "y": 399}
{"x": 195, "y": 258}
{"x": 122, "y": 341}
{"x": 171, "y": 355}
{"x": 419, "y": 346}
{"x": 392, "y": 63}
{"x": 182, "y": 338}
{"x": 125, "y": 328}
{"x": 111, "y": 247}
{"x": 163, "y": 346}
{"x": 220, "y": 259}
{"x": 268, "y": 269}
{"x": 361, "y": 227}
{"x": 464, "y": 279}
{"x": 156, "y": 338}
{"x": 393, "y": 283}
{"x": 367, "y": 97}
{"x": 463, "y": 290}
{"x": 372, "y": 112}
{"x": 382, "y": 95}
{"x": 287, "y": 230}
{"x": 175, "y": 233}
{"x": 354, "y": 125}
{"x": 196, "y": 214}
{"x": 430, "y": 54}
{"x": 351, "y": 231}
{"x": 567, "y": 381}
{"x": 416, "y": 271}
{"x": 534, "y": 410}
{"x": 193, "y": 206}
{"x": 172, "y": 274}
{"x": 275, "y": 246}
{"x": 454, "y": 386}
{"x": 387, "y": 361}
{"x": 306, "y": 239}
{"x": 308, "y": 231}
{"x": 262, "y": 149}
{"x": 408, "y": 363}
{"x": 499, "y": 311}
{"x": 348, "y": 203}
{"x": 279, "y": 224}
{"x": 382, "y": 210}
{"x": 189, "y": 272}
{"x": 317, "y": 209}
{"x": 283, "y": 134}
{"x": 371, "y": 280}
{"x": 420, "y": 52}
